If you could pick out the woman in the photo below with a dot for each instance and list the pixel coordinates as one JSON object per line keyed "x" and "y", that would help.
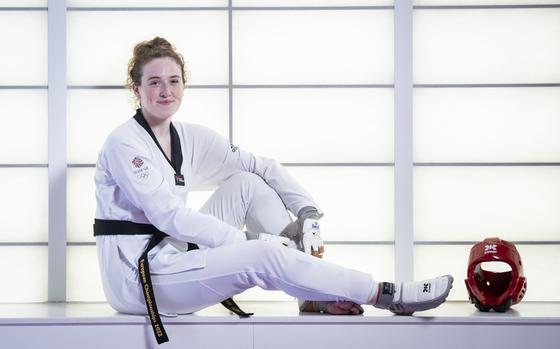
{"x": 148, "y": 237}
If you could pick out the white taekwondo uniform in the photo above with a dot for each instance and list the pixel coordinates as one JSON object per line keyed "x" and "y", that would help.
{"x": 136, "y": 182}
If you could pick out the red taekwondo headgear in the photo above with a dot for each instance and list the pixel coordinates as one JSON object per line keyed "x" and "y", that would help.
{"x": 495, "y": 290}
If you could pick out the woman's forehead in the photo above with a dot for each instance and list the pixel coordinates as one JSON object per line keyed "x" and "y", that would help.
{"x": 161, "y": 67}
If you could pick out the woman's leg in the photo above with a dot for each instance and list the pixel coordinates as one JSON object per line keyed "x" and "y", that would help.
{"x": 245, "y": 199}
{"x": 235, "y": 268}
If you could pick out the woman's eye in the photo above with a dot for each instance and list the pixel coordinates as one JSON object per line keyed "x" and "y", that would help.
{"x": 154, "y": 83}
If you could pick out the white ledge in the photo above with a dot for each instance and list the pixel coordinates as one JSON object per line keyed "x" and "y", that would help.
{"x": 278, "y": 325}
{"x": 275, "y": 312}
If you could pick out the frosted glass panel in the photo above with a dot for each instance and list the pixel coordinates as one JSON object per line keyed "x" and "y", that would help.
{"x": 81, "y": 204}
{"x": 24, "y": 204}
{"x": 487, "y": 46}
{"x": 207, "y": 107}
{"x": 483, "y": 2}
{"x": 357, "y": 201}
{"x": 322, "y": 125}
{"x": 27, "y": 62}
{"x": 83, "y": 283}
{"x": 93, "y": 114}
{"x": 23, "y": 3}
{"x": 145, "y": 3}
{"x": 375, "y": 260}
{"x": 431, "y": 261}
{"x": 487, "y": 125}
{"x": 31, "y": 146}
{"x": 284, "y": 47}
{"x": 542, "y": 285}
{"x": 462, "y": 203}
{"x": 311, "y": 2}
{"x": 103, "y": 41}
{"x": 26, "y": 280}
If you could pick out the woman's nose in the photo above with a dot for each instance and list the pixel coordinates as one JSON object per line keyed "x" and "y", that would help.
{"x": 164, "y": 91}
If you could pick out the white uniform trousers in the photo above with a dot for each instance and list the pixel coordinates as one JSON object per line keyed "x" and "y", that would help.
{"x": 245, "y": 199}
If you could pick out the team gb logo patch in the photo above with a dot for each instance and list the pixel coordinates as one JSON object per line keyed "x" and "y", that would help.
{"x": 137, "y": 162}
{"x": 141, "y": 170}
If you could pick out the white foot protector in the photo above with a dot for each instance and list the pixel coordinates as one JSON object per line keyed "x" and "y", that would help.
{"x": 405, "y": 298}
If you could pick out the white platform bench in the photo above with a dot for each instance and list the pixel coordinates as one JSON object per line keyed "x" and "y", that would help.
{"x": 278, "y": 325}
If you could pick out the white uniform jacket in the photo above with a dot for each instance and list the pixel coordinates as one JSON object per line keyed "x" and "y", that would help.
{"x": 136, "y": 182}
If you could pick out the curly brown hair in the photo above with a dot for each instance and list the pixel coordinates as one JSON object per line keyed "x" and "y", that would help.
{"x": 146, "y": 51}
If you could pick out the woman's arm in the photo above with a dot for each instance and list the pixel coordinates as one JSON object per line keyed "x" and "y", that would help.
{"x": 221, "y": 160}
{"x": 140, "y": 178}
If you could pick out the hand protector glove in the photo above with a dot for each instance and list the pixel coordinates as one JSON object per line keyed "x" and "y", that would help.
{"x": 305, "y": 232}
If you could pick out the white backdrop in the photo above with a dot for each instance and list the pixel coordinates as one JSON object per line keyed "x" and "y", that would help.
{"x": 311, "y": 84}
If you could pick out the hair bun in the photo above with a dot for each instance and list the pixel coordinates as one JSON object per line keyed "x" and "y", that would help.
{"x": 157, "y": 44}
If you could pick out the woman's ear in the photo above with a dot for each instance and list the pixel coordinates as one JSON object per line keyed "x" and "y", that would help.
{"x": 135, "y": 90}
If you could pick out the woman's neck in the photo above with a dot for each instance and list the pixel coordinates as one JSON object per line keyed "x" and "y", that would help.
{"x": 159, "y": 127}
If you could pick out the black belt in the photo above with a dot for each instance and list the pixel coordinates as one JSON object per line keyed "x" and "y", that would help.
{"x": 113, "y": 227}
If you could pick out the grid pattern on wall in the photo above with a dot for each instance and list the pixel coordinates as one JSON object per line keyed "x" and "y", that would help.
{"x": 236, "y": 74}
{"x": 486, "y": 156}
{"x": 282, "y": 69}
{"x": 23, "y": 160}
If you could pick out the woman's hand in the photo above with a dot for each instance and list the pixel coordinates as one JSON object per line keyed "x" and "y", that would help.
{"x": 305, "y": 232}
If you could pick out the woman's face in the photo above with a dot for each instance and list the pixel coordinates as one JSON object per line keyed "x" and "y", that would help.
{"x": 161, "y": 88}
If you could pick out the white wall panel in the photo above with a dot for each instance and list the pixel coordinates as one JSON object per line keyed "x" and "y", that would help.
{"x": 23, "y": 38}
{"x": 542, "y": 285}
{"x": 93, "y": 114}
{"x": 83, "y": 281}
{"x": 306, "y": 47}
{"x": 376, "y": 260}
{"x": 100, "y": 44}
{"x": 315, "y": 125}
{"x": 145, "y": 3}
{"x": 207, "y": 107}
{"x": 23, "y": 3}
{"x": 431, "y": 261}
{"x": 24, "y": 274}
{"x": 487, "y": 46}
{"x": 24, "y": 204}
{"x": 312, "y": 2}
{"x": 23, "y": 136}
{"x": 487, "y": 125}
{"x": 358, "y": 202}
{"x": 81, "y": 204}
{"x": 483, "y": 2}
{"x": 470, "y": 203}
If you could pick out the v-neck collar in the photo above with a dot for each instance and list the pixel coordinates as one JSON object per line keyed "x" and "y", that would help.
{"x": 176, "y": 160}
